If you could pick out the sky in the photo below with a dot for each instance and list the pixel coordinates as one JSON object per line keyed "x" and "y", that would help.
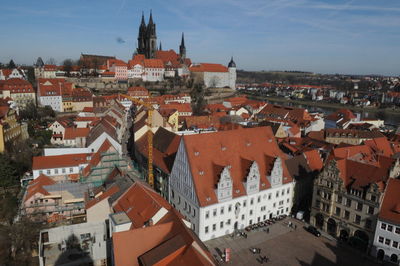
{"x": 347, "y": 37}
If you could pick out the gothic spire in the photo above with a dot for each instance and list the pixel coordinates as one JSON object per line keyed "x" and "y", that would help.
{"x": 160, "y": 47}
{"x": 151, "y": 18}
{"x": 143, "y": 23}
{"x": 183, "y": 40}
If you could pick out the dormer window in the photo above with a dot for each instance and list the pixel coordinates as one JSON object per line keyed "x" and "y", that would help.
{"x": 196, "y": 153}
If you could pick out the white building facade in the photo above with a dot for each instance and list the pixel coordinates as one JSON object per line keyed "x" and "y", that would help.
{"x": 259, "y": 201}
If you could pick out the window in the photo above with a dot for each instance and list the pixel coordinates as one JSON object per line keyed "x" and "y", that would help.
{"x": 346, "y": 215}
{"x": 251, "y": 201}
{"x": 194, "y": 212}
{"x": 71, "y": 170}
{"x": 244, "y": 203}
{"x": 359, "y": 206}
{"x": 373, "y": 198}
{"x": 40, "y": 172}
{"x": 348, "y": 202}
{"x": 48, "y": 172}
{"x": 368, "y": 223}
{"x": 242, "y": 216}
{"x": 228, "y": 222}
{"x": 251, "y": 212}
{"x": 269, "y": 196}
{"x": 397, "y": 230}
{"x": 230, "y": 208}
{"x": 56, "y": 171}
{"x": 222, "y": 210}
{"x": 357, "y": 219}
{"x": 390, "y": 228}
{"x": 259, "y": 199}
{"x": 277, "y": 194}
{"x": 383, "y": 226}
{"x": 185, "y": 205}
{"x": 387, "y": 241}
{"x": 274, "y": 204}
{"x": 215, "y": 212}
{"x": 380, "y": 239}
{"x": 395, "y": 244}
{"x": 288, "y": 190}
{"x": 251, "y": 221}
{"x": 221, "y": 224}
{"x": 370, "y": 210}
{"x": 337, "y": 212}
{"x": 287, "y": 201}
{"x": 214, "y": 227}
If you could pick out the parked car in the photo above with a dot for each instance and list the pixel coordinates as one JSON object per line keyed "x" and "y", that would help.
{"x": 313, "y": 230}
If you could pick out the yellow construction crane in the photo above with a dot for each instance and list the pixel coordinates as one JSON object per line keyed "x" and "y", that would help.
{"x": 150, "y": 109}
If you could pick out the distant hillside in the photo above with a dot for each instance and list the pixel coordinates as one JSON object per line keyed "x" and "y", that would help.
{"x": 267, "y": 76}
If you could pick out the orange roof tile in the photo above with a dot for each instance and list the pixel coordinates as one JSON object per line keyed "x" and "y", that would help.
{"x": 206, "y": 67}
{"x": 46, "y": 162}
{"x": 36, "y": 186}
{"x": 230, "y": 148}
{"x": 390, "y": 208}
{"x": 140, "y": 203}
{"x": 72, "y": 133}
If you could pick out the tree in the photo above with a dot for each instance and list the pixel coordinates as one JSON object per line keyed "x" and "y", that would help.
{"x": 51, "y": 61}
{"x": 198, "y": 99}
{"x": 68, "y": 63}
{"x": 11, "y": 65}
{"x": 8, "y": 172}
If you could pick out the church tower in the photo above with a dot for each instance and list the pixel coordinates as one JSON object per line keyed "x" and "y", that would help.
{"x": 232, "y": 74}
{"x": 151, "y": 38}
{"x": 182, "y": 48}
{"x": 142, "y": 37}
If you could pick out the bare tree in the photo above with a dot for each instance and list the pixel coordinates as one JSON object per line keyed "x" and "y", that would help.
{"x": 68, "y": 63}
{"x": 51, "y": 61}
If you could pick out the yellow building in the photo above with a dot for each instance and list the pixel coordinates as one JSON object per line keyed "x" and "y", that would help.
{"x": 172, "y": 117}
{"x": 10, "y": 128}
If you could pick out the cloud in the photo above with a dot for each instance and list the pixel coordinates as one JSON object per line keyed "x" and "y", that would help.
{"x": 120, "y": 40}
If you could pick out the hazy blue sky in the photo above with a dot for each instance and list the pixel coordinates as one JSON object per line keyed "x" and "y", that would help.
{"x": 320, "y": 36}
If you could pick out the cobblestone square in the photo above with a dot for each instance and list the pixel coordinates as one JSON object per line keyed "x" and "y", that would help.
{"x": 287, "y": 246}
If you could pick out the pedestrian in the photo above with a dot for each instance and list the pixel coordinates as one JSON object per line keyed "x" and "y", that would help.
{"x": 267, "y": 230}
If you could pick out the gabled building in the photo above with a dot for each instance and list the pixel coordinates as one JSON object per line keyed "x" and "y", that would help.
{"x": 347, "y": 196}
{"x": 239, "y": 178}
{"x": 387, "y": 233}
{"x": 20, "y": 90}
{"x": 340, "y": 119}
{"x": 165, "y": 146}
{"x": 215, "y": 75}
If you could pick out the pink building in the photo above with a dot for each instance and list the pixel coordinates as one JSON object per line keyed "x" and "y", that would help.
{"x": 119, "y": 67}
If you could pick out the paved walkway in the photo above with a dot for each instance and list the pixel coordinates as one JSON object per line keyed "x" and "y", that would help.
{"x": 287, "y": 246}
{"x": 254, "y": 239}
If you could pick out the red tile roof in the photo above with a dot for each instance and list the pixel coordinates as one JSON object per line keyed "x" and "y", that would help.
{"x": 153, "y": 63}
{"x": 390, "y": 208}
{"x": 36, "y": 186}
{"x": 72, "y": 133}
{"x": 16, "y": 85}
{"x": 169, "y": 242}
{"x": 138, "y": 90}
{"x": 181, "y": 107}
{"x": 57, "y": 161}
{"x": 109, "y": 192}
{"x": 140, "y": 203}
{"x": 231, "y": 148}
{"x": 206, "y": 67}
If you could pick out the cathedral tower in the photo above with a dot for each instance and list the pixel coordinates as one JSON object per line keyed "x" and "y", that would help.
{"x": 182, "y": 48}
{"x": 142, "y": 37}
{"x": 151, "y": 37}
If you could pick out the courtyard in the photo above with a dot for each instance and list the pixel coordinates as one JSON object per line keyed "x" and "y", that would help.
{"x": 284, "y": 245}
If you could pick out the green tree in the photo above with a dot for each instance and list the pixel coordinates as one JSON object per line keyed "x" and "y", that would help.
{"x": 8, "y": 172}
{"x": 11, "y": 64}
